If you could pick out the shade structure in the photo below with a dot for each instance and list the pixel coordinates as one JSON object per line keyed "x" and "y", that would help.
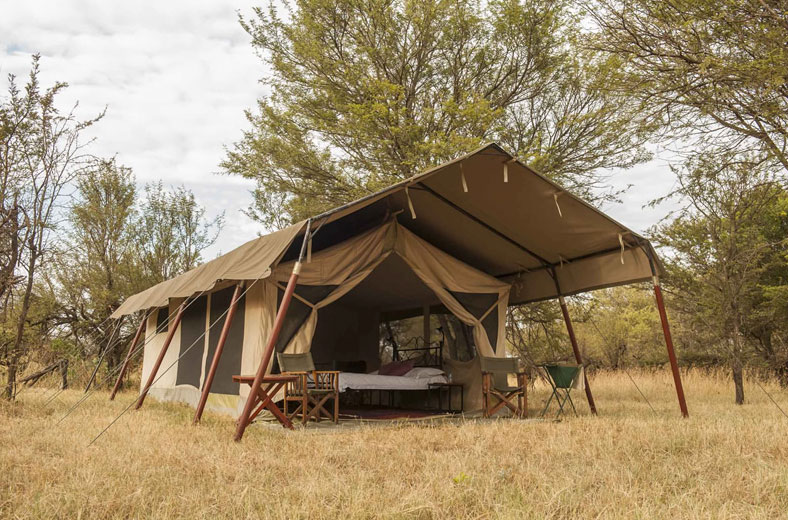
{"x": 468, "y": 237}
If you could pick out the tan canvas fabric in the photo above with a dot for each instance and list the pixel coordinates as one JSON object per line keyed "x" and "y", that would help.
{"x": 251, "y": 261}
{"x": 347, "y": 264}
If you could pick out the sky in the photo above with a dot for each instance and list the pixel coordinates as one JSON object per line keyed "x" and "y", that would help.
{"x": 175, "y": 78}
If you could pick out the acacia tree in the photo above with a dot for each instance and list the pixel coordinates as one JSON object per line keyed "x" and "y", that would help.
{"x": 365, "y": 94}
{"x": 716, "y": 70}
{"x": 720, "y": 251}
{"x": 171, "y": 232}
{"x": 42, "y": 153}
{"x": 98, "y": 265}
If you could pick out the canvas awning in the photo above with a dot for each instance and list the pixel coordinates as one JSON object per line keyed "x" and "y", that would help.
{"x": 485, "y": 208}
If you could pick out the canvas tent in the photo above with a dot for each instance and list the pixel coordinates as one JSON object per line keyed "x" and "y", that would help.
{"x": 468, "y": 237}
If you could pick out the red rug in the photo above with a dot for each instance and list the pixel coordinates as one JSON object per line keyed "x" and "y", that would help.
{"x": 385, "y": 413}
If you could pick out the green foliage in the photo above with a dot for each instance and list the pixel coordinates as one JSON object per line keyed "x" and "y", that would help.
{"x": 365, "y": 94}
{"x": 171, "y": 232}
{"x": 713, "y": 69}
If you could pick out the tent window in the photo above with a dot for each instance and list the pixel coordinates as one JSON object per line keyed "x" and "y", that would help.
{"x": 230, "y": 362}
{"x": 192, "y": 329}
{"x": 298, "y": 311}
{"x": 162, "y": 319}
{"x": 477, "y": 304}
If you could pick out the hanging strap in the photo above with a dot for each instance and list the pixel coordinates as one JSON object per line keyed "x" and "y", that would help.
{"x": 464, "y": 182}
{"x": 555, "y": 198}
{"x": 621, "y": 241}
{"x": 410, "y": 204}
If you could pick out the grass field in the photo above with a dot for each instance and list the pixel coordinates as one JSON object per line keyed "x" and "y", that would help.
{"x": 723, "y": 462}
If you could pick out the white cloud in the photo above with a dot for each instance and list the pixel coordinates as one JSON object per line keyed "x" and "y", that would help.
{"x": 175, "y": 78}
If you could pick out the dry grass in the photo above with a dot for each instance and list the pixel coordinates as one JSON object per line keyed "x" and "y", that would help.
{"x": 724, "y": 462}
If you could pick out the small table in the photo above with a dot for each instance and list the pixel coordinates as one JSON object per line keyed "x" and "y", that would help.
{"x": 448, "y": 389}
{"x": 271, "y": 384}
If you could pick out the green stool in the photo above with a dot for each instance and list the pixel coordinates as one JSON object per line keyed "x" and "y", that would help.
{"x": 562, "y": 378}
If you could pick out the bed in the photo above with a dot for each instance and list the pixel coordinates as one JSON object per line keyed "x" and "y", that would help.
{"x": 416, "y": 379}
{"x": 426, "y": 371}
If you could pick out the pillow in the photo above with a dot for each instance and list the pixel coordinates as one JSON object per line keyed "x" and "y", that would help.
{"x": 396, "y": 368}
{"x": 425, "y": 372}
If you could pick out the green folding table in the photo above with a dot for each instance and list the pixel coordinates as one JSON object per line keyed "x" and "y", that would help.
{"x": 562, "y": 379}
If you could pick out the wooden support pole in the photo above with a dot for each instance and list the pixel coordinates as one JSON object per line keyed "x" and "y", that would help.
{"x": 572, "y": 339}
{"x": 245, "y": 418}
{"x": 570, "y": 329}
{"x": 126, "y": 362}
{"x": 206, "y": 387}
{"x": 427, "y": 328}
{"x": 674, "y": 365}
{"x": 155, "y": 369}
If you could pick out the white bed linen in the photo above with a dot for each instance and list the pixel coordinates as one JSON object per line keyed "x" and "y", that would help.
{"x": 377, "y": 382}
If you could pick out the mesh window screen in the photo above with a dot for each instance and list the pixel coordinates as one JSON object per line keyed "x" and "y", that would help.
{"x": 192, "y": 344}
{"x": 230, "y": 362}
{"x": 298, "y": 311}
{"x": 477, "y": 304}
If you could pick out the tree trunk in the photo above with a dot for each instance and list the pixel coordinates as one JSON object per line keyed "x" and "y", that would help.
{"x": 16, "y": 352}
{"x": 738, "y": 381}
{"x": 738, "y": 370}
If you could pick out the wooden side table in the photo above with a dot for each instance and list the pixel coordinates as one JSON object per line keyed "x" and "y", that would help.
{"x": 448, "y": 389}
{"x": 271, "y": 384}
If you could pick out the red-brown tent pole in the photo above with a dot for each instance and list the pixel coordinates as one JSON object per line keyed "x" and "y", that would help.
{"x": 573, "y": 340}
{"x": 206, "y": 387}
{"x": 576, "y": 350}
{"x": 243, "y": 420}
{"x": 128, "y": 356}
{"x": 674, "y": 365}
{"x": 154, "y": 371}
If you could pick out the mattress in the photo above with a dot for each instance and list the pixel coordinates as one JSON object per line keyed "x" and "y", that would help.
{"x": 349, "y": 380}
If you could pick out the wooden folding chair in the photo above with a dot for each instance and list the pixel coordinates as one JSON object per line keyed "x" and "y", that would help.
{"x": 312, "y": 390}
{"x": 495, "y": 386}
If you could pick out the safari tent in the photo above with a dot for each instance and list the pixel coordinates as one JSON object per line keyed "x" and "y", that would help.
{"x": 467, "y": 238}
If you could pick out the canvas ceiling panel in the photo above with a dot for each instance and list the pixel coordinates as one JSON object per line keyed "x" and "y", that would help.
{"x": 391, "y": 286}
{"x": 525, "y": 209}
{"x": 230, "y": 362}
{"x": 460, "y": 236}
{"x": 192, "y": 344}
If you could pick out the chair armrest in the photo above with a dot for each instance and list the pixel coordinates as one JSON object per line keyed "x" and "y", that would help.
{"x": 300, "y": 384}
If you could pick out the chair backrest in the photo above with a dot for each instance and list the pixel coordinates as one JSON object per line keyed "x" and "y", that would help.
{"x": 563, "y": 376}
{"x": 295, "y": 362}
{"x": 500, "y": 368}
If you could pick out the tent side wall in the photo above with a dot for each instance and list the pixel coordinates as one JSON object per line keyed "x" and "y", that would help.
{"x": 244, "y": 347}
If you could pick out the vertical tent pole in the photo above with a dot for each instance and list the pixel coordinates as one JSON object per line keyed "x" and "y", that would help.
{"x": 243, "y": 420}
{"x": 573, "y": 340}
{"x": 576, "y": 350}
{"x": 427, "y": 331}
{"x": 674, "y": 365}
{"x": 126, "y": 362}
{"x": 206, "y": 387}
{"x": 103, "y": 353}
{"x": 154, "y": 371}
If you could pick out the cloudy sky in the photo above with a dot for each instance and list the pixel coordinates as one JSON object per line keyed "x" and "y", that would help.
{"x": 175, "y": 78}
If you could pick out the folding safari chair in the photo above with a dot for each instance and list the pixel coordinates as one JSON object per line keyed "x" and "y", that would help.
{"x": 495, "y": 385}
{"x": 312, "y": 390}
{"x": 562, "y": 379}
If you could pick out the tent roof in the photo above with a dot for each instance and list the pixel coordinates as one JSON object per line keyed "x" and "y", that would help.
{"x": 522, "y": 230}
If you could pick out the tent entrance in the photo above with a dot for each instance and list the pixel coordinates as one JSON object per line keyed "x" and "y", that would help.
{"x": 348, "y": 330}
